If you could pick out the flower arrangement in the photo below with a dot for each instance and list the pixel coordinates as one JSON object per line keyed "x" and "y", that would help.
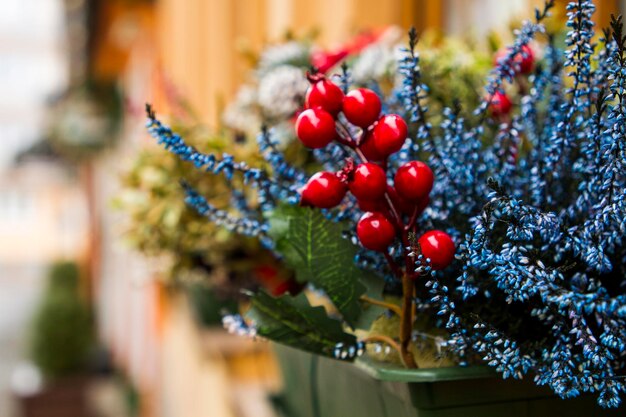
{"x": 274, "y": 91}
{"x": 191, "y": 250}
{"x": 501, "y": 225}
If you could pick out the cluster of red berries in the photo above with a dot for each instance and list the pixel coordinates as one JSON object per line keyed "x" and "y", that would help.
{"x": 523, "y": 64}
{"x": 385, "y": 206}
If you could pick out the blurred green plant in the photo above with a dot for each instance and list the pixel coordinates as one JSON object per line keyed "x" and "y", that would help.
{"x": 162, "y": 227}
{"x": 62, "y": 328}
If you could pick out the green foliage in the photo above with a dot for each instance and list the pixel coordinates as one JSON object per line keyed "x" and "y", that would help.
{"x": 62, "y": 327}
{"x": 162, "y": 226}
{"x": 207, "y": 305}
{"x": 294, "y": 322}
{"x": 63, "y": 276}
{"x": 313, "y": 247}
{"x": 453, "y": 69}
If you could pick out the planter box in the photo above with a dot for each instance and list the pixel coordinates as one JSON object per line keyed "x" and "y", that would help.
{"x": 316, "y": 386}
{"x": 63, "y": 398}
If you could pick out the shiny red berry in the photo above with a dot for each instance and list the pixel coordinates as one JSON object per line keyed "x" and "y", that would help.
{"x": 414, "y": 180}
{"x": 315, "y": 128}
{"x": 438, "y": 247}
{"x": 368, "y": 148}
{"x": 375, "y": 231}
{"x": 389, "y": 134}
{"x": 323, "y": 190}
{"x": 500, "y": 104}
{"x": 368, "y": 182}
{"x": 361, "y": 107}
{"x": 325, "y": 94}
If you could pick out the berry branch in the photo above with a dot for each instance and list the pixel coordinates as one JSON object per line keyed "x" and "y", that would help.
{"x": 391, "y": 213}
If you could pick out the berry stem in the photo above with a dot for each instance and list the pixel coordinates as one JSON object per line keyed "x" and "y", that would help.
{"x": 392, "y": 265}
{"x": 393, "y": 307}
{"x": 406, "y": 322}
{"x": 346, "y": 132}
{"x": 406, "y": 311}
{"x": 383, "y": 339}
{"x": 345, "y": 142}
{"x": 412, "y": 220}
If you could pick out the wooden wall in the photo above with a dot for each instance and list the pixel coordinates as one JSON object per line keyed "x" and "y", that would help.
{"x": 200, "y": 40}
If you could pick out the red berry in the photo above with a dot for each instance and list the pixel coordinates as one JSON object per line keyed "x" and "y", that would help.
{"x": 373, "y": 205}
{"x": 325, "y": 60}
{"x": 368, "y": 182}
{"x": 361, "y": 107}
{"x": 323, "y": 190}
{"x": 315, "y": 128}
{"x": 525, "y": 60}
{"x": 402, "y": 204}
{"x": 375, "y": 232}
{"x": 325, "y": 94}
{"x": 422, "y": 204}
{"x": 500, "y": 104}
{"x": 389, "y": 134}
{"x": 368, "y": 148}
{"x": 438, "y": 247}
{"x": 413, "y": 181}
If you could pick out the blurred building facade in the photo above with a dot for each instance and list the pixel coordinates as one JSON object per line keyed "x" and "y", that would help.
{"x": 42, "y": 215}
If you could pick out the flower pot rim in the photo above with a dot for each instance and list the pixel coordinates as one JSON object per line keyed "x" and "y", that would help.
{"x": 391, "y": 372}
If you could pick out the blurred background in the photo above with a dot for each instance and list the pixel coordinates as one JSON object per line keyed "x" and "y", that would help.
{"x": 89, "y": 316}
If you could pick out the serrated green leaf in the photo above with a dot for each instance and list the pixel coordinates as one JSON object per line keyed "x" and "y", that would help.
{"x": 313, "y": 246}
{"x": 294, "y": 322}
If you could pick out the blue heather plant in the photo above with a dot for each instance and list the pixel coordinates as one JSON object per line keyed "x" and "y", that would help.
{"x": 534, "y": 200}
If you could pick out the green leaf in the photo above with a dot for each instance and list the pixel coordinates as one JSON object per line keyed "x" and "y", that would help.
{"x": 313, "y": 246}
{"x": 370, "y": 313}
{"x": 294, "y": 322}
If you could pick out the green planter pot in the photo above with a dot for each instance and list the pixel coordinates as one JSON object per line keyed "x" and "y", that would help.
{"x": 316, "y": 386}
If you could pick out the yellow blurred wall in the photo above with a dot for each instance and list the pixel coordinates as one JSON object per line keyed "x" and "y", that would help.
{"x": 200, "y": 40}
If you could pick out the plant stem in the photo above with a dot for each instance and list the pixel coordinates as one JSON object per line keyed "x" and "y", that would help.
{"x": 383, "y": 339}
{"x": 412, "y": 220}
{"x": 406, "y": 311}
{"x": 392, "y": 265}
{"x": 406, "y": 322}
{"x": 394, "y": 210}
{"x": 393, "y": 307}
